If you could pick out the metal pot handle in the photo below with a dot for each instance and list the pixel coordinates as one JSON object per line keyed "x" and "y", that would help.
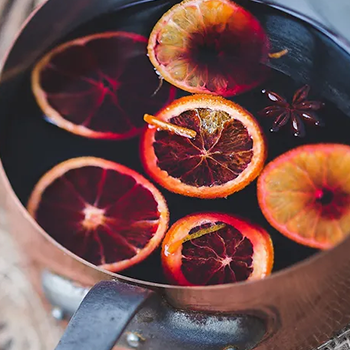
{"x": 109, "y": 307}
{"x": 103, "y": 315}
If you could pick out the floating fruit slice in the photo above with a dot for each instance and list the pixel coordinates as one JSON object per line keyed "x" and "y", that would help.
{"x": 102, "y": 211}
{"x": 213, "y": 248}
{"x": 227, "y": 153}
{"x": 305, "y": 194}
{"x": 99, "y": 86}
{"x": 209, "y": 46}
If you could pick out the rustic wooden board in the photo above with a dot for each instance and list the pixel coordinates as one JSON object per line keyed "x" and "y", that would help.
{"x": 24, "y": 322}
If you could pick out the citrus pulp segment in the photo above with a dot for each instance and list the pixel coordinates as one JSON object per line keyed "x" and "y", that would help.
{"x": 228, "y": 250}
{"x": 101, "y": 211}
{"x": 99, "y": 86}
{"x": 227, "y": 154}
{"x": 305, "y": 194}
{"x": 209, "y": 46}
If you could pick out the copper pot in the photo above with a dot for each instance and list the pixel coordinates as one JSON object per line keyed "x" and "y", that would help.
{"x": 297, "y": 308}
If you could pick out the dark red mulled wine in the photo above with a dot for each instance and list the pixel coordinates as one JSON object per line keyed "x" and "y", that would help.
{"x": 314, "y": 59}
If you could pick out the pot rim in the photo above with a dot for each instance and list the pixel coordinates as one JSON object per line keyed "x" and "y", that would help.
{"x": 314, "y": 259}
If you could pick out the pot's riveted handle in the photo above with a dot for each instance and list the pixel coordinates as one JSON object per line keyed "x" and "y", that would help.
{"x": 109, "y": 307}
{"x": 102, "y": 316}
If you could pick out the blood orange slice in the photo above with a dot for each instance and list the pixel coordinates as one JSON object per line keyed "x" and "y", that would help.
{"x": 227, "y": 153}
{"x": 305, "y": 194}
{"x": 103, "y": 212}
{"x": 209, "y": 46}
{"x": 213, "y": 248}
{"x": 99, "y": 86}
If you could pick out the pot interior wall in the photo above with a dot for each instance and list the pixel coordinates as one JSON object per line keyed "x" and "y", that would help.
{"x": 29, "y": 146}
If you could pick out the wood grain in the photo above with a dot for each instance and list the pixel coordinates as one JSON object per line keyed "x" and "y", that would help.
{"x": 25, "y": 324}
{"x": 12, "y": 15}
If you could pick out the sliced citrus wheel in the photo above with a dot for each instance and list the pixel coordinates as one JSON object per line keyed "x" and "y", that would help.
{"x": 227, "y": 153}
{"x": 102, "y": 211}
{"x": 209, "y": 46}
{"x": 99, "y": 86}
{"x": 213, "y": 248}
{"x": 305, "y": 194}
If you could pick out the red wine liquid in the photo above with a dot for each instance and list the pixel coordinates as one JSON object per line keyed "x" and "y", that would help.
{"x": 30, "y": 146}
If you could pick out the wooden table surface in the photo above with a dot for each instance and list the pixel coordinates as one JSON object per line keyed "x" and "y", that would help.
{"x": 24, "y": 322}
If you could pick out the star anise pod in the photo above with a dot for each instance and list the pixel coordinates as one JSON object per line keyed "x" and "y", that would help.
{"x": 300, "y": 109}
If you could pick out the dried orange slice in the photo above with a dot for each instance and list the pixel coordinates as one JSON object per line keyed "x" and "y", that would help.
{"x": 305, "y": 194}
{"x": 102, "y": 211}
{"x": 213, "y": 248}
{"x": 227, "y": 153}
{"x": 99, "y": 86}
{"x": 209, "y": 46}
